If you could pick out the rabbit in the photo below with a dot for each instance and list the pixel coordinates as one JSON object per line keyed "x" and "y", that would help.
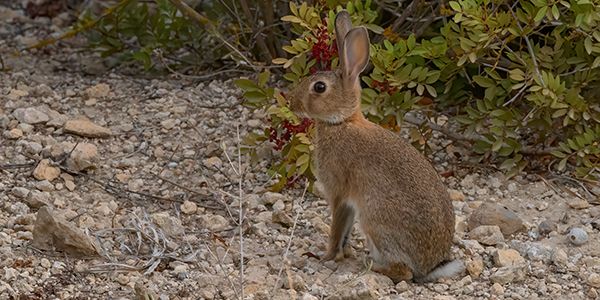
{"x": 372, "y": 174}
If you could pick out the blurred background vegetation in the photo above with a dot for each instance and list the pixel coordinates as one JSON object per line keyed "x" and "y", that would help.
{"x": 514, "y": 81}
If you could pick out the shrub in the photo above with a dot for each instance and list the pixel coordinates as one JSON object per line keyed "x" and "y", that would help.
{"x": 520, "y": 79}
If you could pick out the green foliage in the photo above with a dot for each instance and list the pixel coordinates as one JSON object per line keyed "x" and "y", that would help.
{"x": 522, "y": 79}
{"x": 136, "y": 29}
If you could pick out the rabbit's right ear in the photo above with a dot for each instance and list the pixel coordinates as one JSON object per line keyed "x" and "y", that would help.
{"x": 343, "y": 24}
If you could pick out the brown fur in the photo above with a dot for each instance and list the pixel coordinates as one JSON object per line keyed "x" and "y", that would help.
{"x": 371, "y": 173}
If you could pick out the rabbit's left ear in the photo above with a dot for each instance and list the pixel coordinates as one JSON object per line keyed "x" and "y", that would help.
{"x": 343, "y": 24}
{"x": 355, "y": 54}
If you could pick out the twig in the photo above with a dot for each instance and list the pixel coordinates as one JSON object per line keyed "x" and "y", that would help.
{"x": 529, "y": 46}
{"x": 507, "y": 103}
{"x": 290, "y": 239}
{"x": 206, "y": 76}
{"x": 241, "y": 213}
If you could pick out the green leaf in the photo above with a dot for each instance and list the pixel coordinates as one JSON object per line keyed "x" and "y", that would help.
{"x": 303, "y": 159}
{"x": 246, "y": 84}
{"x": 263, "y": 78}
{"x": 562, "y": 164}
{"x": 558, "y": 154}
{"x": 555, "y": 12}
{"x": 455, "y": 6}
{"x": 541, "y": 14}
{"x": 587, "y": 43}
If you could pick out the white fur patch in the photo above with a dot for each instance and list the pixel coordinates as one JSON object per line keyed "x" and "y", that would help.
{"x": 334, "y": 119}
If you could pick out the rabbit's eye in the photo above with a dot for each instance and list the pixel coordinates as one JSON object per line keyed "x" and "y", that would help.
{"x": 319, "y": 87}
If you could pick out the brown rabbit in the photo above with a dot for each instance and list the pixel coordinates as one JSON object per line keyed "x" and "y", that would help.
{"x": 371, "y": 173}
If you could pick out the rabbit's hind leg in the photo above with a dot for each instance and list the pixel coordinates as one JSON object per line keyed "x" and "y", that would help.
{"x": 395, "y": 271}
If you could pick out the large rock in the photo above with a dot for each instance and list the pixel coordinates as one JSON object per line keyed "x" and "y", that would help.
{"x": 51, "y": 232}
{"x": 493, "y": 214}
{"x": 86, "y": 128}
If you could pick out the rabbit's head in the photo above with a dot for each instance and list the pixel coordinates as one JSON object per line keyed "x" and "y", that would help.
{"x": 334, "y": 96}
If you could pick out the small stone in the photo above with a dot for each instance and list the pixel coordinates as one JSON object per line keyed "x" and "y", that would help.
{"x": 506, "y": 275}
{"x": 122, "y": 279}
{"x": 539, "y": 252}
{"x": 45, "y": 263}
{"x": 30, "y": 115}
{"x": 53, "y": 233}
{"x": 214, "y": 222}
{"x": 100, "y": 90}
{"x": 560, "y": 257}
{"x": 542, "y": 206}
{"x": 213, "y": 162}
{"x": 34, "y": 148}
{"x": 26, "y": 128}
{"x": 594, "y": 280}
{"x": 279, "y": 205}
{"x": 38, "y": 199}
{"x": 44, "y": 186}
{"x": 490, "y": 213}
{"x": 472, "y": 247}
{"x": 269, "y": 198}
{"x": 577, "y": 236}
{"x": 91, "y": 102}
{"x": 578, "y": 203}
{"x": 15, "y": 94}
{"x": 254, "y": 123}
{"x": 86, "y": 128}
{"x": 189, "y": 207}
{"x": 507, "y": 257}
{"x": 487, "y": 235}
{"x": 497, "y": 289}
{"x": 13, "y": 134}
{"x": 475, "y": 266}
{"x": 168, "y": 124}
{"x": 45, "y": 171}
{"x": 83, "y": 157}
{"x": 170, "y": 225}
{"x": 545, "y": 227}
{"x": 402, "y": 287}
{"x": 456, "y": 195}
{"x": 307, "y": 296}
{"x": 280, "y": 217}
{"x": 19, "y": 192}
{"x": 103, "y": 209}
{"x": 70, "y": 185}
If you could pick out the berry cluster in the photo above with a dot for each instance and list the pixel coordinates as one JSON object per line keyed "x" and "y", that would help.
{"x": 281, "y": 138}
{"x": 323, "y": 50}
{"x": 384, "y": 87}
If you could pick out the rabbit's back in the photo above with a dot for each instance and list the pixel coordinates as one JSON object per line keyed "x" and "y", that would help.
{"x": 403, "y": 206}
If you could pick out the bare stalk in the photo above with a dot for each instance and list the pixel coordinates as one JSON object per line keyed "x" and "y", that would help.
{"x": 290, "y": 239}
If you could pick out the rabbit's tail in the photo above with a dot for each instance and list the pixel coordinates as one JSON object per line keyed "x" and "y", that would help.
{"x": 447, "y": 270}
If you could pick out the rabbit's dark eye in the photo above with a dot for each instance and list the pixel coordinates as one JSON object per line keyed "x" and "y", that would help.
{"x": 319, "y": 87}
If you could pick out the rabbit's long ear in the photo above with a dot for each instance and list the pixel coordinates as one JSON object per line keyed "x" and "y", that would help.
{"x": 343, "y": 24}
{"x": 355, "y": 54}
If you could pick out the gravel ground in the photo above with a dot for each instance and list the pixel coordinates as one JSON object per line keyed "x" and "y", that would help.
{"x": 117, "y": 186}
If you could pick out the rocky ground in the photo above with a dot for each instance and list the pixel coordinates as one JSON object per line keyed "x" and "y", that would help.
{"x": 117, "y": 186}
